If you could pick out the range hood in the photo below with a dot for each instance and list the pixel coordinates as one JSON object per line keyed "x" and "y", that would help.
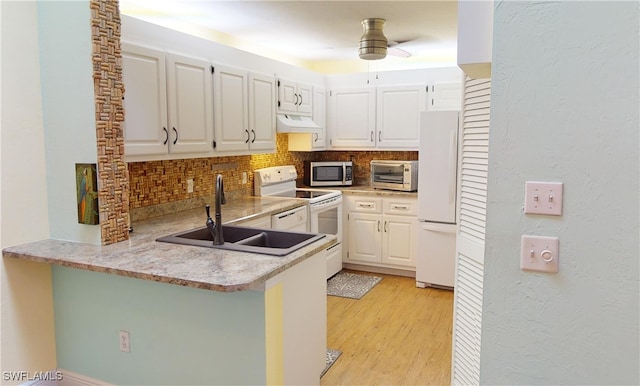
{"x": 291, "y": 123}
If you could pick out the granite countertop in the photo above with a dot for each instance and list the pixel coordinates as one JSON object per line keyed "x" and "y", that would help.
{"x": 207, "y": 268}
{"x": 369, "y": 190}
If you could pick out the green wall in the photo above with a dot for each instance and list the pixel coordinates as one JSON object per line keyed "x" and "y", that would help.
{"x": 178, "y": 335}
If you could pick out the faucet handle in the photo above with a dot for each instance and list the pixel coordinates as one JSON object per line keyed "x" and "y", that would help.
{"x": 208, "y": 209}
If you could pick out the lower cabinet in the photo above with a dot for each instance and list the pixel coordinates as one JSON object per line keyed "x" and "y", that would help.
{"x": 381, "y": 231}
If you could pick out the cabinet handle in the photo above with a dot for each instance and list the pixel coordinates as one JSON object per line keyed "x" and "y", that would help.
{"x": 385, "y": 226}
{"x": 317, "y": 136}
{"x": 379, "y": 136}
{"x": 403, "y": 207}
{"x": 175, "y": 140}
{"x": 247, "y": 141}
{"x": 378, "y": 225}
{"x": 365, "y": 205}
{"x": 297, "y": 99}
{"x": 372, "y": 136}
{"x": 300, "y": 102}
{"x": 166, "y": 135}
{"x": 254, "y": 136}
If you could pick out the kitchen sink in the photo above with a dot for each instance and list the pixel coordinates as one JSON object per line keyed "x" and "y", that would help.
{"x": 245, "y": 239}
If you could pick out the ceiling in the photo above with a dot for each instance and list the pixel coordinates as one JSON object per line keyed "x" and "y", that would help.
{"x": 320, "y": 35}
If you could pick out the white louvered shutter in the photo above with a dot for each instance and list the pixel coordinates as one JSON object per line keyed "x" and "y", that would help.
{"x": 465, "y": 366}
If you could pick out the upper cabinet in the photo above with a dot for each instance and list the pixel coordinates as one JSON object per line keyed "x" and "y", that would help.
{"x": 315, "y": 139}
{"x": 445, "y": 96}
{"x": 294, "y": 97}
{"x": 190, "y": 100}
{"x": 145, "y": 102}
{"x": 398, "y": 116}
{"x": 168, "y": 104}
{"x": 244, "y": 110}
{"x": 352, "y": 118}
{"x": 384, "y": 117}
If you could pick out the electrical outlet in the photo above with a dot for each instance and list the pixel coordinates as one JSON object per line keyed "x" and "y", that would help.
{"x": 190, "y": 185}
{"x": 244, "y": 178}
{"x": 125, "y": 343}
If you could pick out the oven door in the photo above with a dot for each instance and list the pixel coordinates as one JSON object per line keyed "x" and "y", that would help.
{"x": 326, "y": 217}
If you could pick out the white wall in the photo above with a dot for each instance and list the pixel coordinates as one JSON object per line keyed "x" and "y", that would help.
{"x": 140, "y": 32}
{"x": 26, "y": 333}
{"x": 564, "y": 107}
{"x": 68, "y": 110}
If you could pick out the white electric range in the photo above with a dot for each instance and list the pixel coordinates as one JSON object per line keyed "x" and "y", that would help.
{"x": 325, "y": 206}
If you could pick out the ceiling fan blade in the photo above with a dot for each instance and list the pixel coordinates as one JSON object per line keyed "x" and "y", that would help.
{"x": 397, "y": 52}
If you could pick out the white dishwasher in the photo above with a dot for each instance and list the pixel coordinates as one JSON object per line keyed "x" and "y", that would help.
{"x": 292, "y": 220}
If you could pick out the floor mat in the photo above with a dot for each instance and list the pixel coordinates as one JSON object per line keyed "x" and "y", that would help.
{"x": 332, "y": 356}
{"x": 351, "y": 285}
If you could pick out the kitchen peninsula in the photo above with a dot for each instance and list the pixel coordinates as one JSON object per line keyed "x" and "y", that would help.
{"x": 194, "y": 315}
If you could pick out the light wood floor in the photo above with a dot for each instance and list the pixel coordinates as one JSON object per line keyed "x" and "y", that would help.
{"x": 396, "y": 334}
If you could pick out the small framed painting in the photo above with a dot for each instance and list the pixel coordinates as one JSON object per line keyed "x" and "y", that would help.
{"x": 87, "y": 194}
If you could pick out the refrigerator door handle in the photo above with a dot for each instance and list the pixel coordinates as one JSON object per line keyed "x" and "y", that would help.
{"x": 452, "y": 165}
{"x": 434, "y": 227}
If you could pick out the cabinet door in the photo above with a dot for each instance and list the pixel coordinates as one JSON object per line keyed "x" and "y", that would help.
{"x": 262, "y": 112}
{"x": 145, "y": 101}
{"x": 287, "y": 96}
{"x": 231, "y": 110}
{"x": 305, "y": 102}
{"x": 364, "y": 237}
{"x": 319, "y": 117}
{"x": 446, "y": 96}
{"x": 399, "y": 240}
{"x": 398, "y": 116}
{"x": 190, "y": 104}
{"x": 353, "y": 118}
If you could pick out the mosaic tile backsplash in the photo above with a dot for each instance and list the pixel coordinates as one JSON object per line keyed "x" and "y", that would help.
{"x": 162, "y": 182}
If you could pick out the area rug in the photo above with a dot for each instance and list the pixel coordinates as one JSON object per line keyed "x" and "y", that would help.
{"x": 332, "y": 356}
{"x": 351, "y": 285}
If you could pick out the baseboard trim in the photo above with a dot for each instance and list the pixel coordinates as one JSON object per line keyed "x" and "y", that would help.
{"x": 374, "y": 269}
{"x": 69, "y": 378}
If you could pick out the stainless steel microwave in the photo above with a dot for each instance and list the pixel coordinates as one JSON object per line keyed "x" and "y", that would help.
{"x": 328, "y": 173}
{"x": 394, "y": 175}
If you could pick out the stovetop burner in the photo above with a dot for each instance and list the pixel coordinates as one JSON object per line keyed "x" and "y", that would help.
{"x": 310, "y": 194}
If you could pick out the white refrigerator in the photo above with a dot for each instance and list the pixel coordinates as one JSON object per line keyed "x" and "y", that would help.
{"x": 437, "y": 187}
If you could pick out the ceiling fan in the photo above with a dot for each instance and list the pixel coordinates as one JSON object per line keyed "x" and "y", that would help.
{"x": 374, "y": 45}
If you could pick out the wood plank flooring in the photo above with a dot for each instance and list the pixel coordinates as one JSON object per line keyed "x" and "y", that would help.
{"x": 396, "y": 334}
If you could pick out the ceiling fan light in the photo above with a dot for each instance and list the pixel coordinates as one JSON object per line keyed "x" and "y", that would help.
{"x": 373, "y": 43}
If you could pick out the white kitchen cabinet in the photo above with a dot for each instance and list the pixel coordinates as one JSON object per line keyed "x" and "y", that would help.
{"x": 262, "y": 112}
{"x": 383, "y": 117}
{"x": 145, "y": 101}
{"x": 381, "y": 231}
{"x": 352, "y": 118}
{"x": 168, "y": 104}
{"x": 314, "y": 140}
{"x": 398, "y": 116}
{"x": 244, "y": 110}
{"x": 320, "y": 117}
{"x": 294, "y": 97}
{"x": 190, "y": 104}
{"x": 445, "y": 96}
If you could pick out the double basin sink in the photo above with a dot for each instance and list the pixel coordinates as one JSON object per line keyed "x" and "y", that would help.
{"x": 246, "y": 239}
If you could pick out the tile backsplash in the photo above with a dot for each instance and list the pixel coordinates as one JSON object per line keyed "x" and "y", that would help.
{"x": 164, "y": 182}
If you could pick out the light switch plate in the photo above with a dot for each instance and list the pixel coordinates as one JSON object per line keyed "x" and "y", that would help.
{"x": 539, "y": 253}
{"x": 543, "y": 198}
